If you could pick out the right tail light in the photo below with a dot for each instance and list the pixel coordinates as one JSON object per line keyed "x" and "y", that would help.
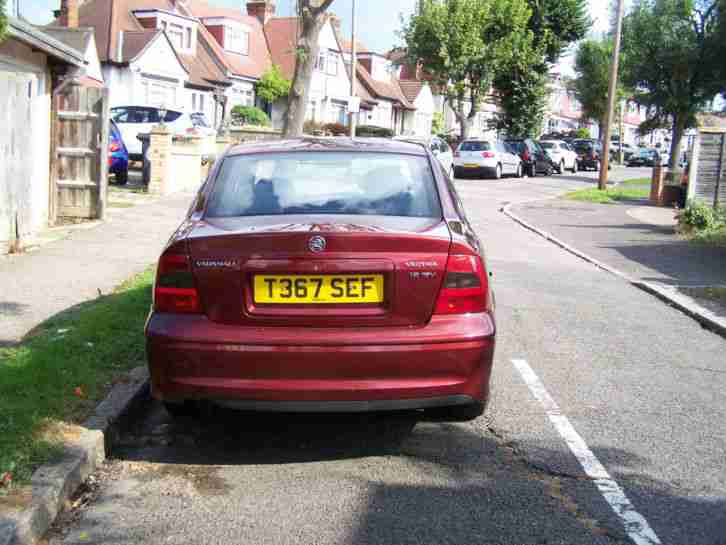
{"x": 465, "y": 289}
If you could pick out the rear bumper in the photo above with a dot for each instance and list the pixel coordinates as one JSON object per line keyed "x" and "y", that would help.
{"x": 446, "y": 362}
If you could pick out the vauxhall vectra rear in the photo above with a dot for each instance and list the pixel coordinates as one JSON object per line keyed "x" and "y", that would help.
{"x": 324, "y": 275}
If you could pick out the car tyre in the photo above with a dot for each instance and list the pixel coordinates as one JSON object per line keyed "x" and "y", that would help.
{"x": 498, "y": 172}
{"x": 533, "y": 170}
{"x": 456, "y": 413}
{"x": 520, "y": 171}
{"x": 456, "y": 171}
{"x": 185, "y": 409}
{"x": 562, "y": 167}
{"x": 122, "y": 177}
{"x": 574, "y": 167}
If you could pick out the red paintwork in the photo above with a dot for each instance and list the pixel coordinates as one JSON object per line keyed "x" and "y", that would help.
{"x": 392, "y": 351}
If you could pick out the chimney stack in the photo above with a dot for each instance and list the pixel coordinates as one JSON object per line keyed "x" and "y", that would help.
{"x": 69, "y": 13}
{"x": 264, "y": 10}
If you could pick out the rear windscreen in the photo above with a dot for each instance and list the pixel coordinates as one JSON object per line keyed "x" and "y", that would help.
{"x": 475, "y": 146}
{"x": 548, "y": 145}
{"x": 516, "y": 145}
{"x": 383, "y": 184}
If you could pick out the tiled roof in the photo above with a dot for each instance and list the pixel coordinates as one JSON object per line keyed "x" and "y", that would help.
{"x": 281, "y": 34}
{"x": 381, "y": 89}
{"x": 258, "y": 61}
{"x": 345, "y": 45}
{"x": 135, "y": 42}
{"x": 411, "y": 89}
{"x": 109, "y": 17}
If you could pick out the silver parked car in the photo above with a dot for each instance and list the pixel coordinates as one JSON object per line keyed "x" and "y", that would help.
{"x": 438, "y": 147}
{"x": 492, "y": 158}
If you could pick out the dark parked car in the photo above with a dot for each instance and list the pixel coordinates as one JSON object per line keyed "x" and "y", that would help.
{"x": 643, "y": 158}
{"x": 118, "y": 155}
{"x": 534, "y": 158}
{"x": 589, "y": 154}
{"x": 324, "y": 275}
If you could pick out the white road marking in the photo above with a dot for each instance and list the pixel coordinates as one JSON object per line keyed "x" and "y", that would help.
{"x": 635, "y": 525}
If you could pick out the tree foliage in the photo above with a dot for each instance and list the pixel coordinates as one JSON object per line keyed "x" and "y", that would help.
{"x": 463, "y": 44}
{"x": 671, "y": 57}
{"x": 3, "y": 20}
{"x": 272, "y": 85}
{"x": 553, "y": 26}
{"x": 592, "y": 76}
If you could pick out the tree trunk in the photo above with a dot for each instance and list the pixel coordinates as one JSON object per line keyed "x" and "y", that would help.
{"x": 679, "y": 128}
{"x": 308, "y": 48}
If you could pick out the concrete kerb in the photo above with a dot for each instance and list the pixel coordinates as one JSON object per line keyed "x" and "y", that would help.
{"x": 705, "y": 317}
{"x": 54, "y": 484}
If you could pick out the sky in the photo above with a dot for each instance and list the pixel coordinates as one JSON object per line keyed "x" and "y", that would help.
{"x": 378, "y": 20}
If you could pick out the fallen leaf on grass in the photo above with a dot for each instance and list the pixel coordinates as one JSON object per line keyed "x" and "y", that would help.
{"x": 78, "y": 392}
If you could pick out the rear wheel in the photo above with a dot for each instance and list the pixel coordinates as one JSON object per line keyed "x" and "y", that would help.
{"x": 533, "y": 170}
{"x": 574, "y": 167}
{"x": 456, "y": 413}
{"x": 519, "y": 170}
{"x": 498, "y": 172}
{"x": 562, "y": 167}
{"x": 456, "y": 171}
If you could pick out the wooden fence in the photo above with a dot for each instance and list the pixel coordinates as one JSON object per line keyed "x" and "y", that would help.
{"x": 707, "y": 174}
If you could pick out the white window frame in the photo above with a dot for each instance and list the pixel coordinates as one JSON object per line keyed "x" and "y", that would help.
{"x": 321, "y": 61}
{"x": 236, "y": 40}
{"x": 332, "y": 63}
{"x": 176, "y": 32}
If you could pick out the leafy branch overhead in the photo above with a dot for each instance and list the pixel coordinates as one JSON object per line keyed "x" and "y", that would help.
{"x": 463, "y": 44}
{"x": 3, "y": 20}
{"x": 673, "y": 58}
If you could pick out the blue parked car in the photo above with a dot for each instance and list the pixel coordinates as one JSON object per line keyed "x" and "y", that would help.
{"x": 118, "y": 155}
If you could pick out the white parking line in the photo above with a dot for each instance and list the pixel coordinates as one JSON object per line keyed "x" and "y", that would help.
{"x": 635, "y": 525}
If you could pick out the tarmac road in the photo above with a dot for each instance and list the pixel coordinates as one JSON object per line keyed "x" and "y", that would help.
{"x": 589, "y": 370}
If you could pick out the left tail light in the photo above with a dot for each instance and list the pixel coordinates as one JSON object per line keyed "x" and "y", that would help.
{"x": 465, "y": 288}
{"x": 114, "y": 146}
{"x": 175, "y": 290}
{"x": 488, "y": 154}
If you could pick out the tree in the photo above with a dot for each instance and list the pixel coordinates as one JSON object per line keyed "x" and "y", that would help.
{"x": 462, "y": 44}
{"x": 669, "y": 57}
{"x": 592, "y": 75}
{"x": 272, "y": 85}
{"x": 522, "y": 87}
{"x": 312, "y": 18}
{"x": 3, "y": 20}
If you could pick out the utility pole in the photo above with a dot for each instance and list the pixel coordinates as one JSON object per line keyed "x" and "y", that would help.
{"x": 353, "y": 76}
{"x": 612, "y": 92}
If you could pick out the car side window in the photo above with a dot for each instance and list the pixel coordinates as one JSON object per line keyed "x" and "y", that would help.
{"x": 120, "y": 115}
{"x": 444, "y": 146}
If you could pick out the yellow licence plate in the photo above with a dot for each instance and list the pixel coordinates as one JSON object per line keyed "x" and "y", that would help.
{"x": 319, "y": 289}
{"x": 471, "y": 165}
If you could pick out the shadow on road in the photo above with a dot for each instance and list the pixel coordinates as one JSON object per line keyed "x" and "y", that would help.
{"x": 424, "y": 482}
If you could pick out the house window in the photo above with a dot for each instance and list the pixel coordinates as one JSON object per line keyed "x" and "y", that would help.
{"x": 176, "y": 35}
{"x": 188, "y": 36}
{"x": 236, "y": 40}
{"x": 194, "y": 102}
{"x": 249, "y": 98}
{"x": 201, "y": 102}
{"x": 333, "y": 59}
{"x": 320, "y": 64}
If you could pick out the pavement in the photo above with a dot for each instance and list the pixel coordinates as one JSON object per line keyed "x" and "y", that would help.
{"x": 80, "y": 262}
{"x": 637, "y": 239}
{"x": 605, "y": 427}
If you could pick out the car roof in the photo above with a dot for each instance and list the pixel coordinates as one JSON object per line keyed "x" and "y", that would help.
{"x": 331, "y": 143}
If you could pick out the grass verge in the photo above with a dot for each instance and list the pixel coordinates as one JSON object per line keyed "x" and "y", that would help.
{"x": 58, "y": 374}
{"x": 612, "y": 195}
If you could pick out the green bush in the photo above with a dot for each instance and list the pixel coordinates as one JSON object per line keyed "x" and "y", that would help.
{"x": 699, "y": 216}
{"x": 373, "y": 130}
{"x": 249, "y": 115}
{"x": 582, "y": 133}
{"x": 336, "y": 129}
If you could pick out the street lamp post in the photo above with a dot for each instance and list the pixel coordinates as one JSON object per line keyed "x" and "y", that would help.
{"x": 612, "y": 91}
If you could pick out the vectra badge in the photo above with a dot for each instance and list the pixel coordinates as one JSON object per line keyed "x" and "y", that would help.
{"x": 316, "y": 244}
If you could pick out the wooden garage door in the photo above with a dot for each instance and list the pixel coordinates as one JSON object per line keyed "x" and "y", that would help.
{"x": 80, "y": 152}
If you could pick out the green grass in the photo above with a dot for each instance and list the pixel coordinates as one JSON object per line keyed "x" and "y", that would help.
{"x": 86, "y": 347}
{"x": 636, "y": 181}
{"x": 610, "y": 195}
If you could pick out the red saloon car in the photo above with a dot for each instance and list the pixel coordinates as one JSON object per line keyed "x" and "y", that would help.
{"x": 324, "y": 275}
